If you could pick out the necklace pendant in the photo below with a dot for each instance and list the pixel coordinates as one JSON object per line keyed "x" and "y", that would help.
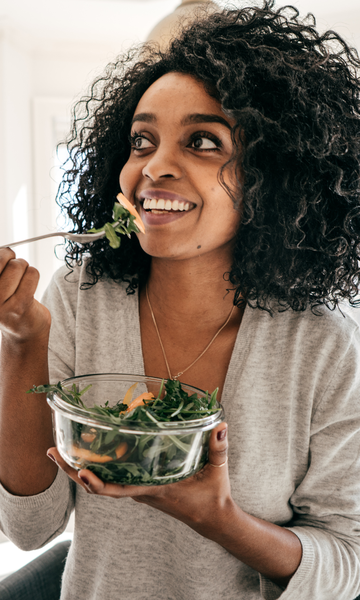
{"x": 176, "y": 377}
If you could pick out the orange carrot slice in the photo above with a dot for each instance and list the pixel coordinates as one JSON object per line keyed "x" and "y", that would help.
{"x": 90, "y": 456}
{"x": 132, "y": 210}
{"x": 121, "y": 449}
{"x": 88, "y": 437}
{"x": 139, "y": 401}
{"x": 129, "y": 393}
{"x": 85, "y": 454}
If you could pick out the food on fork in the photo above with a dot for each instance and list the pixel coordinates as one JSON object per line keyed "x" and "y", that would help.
{"x": 126, "y": 220}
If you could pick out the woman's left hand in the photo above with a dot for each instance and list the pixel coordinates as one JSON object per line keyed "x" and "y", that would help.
{"x": 195, "y": 501}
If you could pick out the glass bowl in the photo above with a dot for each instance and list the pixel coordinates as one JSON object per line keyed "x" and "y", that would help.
{"x": 134, "y": 452}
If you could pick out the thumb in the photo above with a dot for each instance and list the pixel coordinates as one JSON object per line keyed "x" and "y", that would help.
{"x": 218, "y": 446}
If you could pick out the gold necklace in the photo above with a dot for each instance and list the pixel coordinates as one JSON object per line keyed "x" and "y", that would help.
{"x": 162, "y": 346}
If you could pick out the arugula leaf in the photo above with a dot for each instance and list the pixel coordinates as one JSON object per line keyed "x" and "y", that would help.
{"x": 111, "y": 236}
{"x": 123, "y": 224}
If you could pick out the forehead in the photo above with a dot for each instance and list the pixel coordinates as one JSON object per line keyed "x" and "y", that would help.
{"x": 177, "y": 93}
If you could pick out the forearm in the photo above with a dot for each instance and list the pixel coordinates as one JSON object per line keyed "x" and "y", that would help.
{"x": 25, "y": 419}
{"x": 273, "y": 551}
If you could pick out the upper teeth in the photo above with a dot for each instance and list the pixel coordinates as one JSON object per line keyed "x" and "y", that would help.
{"x": 152, "y": 203}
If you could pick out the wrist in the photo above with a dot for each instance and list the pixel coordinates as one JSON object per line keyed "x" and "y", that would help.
{"x": 19, "y": 343}
{"x": 227, "y": 516}
{"x": 218, "y": 523}
{"x": 24, "y": 328}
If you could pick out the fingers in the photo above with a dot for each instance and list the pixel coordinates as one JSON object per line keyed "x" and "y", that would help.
{"x": 95, "y": 485}
{"x": 16, "y": 276}
{"x": 54, "y": 455}
{"x": 218, "y": 447}
{"x": 21, "y": 316}
{"x": 27, "y": 285}
{"x": 92, "y": 484}
{"x": 6, "y": 254}
{"x": 11, "y": 274}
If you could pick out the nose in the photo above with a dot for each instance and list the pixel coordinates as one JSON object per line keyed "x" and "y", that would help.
{"x": 163, "y": 162}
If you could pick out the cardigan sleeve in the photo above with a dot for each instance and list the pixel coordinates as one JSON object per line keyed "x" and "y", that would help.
{"x": 326, "y": 504}
{"x": 31, "y": 522}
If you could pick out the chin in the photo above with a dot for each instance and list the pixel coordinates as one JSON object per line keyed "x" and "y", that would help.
{"x": 158, "y": 251}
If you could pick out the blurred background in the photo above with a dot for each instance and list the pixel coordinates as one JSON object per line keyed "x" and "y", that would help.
{"x": 50, "y": 51}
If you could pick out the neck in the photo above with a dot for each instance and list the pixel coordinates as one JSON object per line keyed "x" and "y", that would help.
{"x": 190, "y": 289}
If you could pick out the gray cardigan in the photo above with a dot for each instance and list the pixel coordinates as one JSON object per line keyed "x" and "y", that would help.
{"x": 291, "y": 399}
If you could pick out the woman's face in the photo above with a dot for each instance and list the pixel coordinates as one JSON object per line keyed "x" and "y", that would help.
{"x": 180, "y": 139}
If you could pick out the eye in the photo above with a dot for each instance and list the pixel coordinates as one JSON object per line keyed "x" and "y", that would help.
{"x": 205, "y": 142}
{"x": 140, "y": 142}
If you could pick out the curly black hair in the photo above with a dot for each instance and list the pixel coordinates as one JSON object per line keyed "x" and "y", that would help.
{"x": 294, "y": 94}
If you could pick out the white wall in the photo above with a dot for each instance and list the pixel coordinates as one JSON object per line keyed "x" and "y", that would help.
{"x": 59, "y": 78}
{"x": 38, "y": 87}
{"x": 15, "y": 130}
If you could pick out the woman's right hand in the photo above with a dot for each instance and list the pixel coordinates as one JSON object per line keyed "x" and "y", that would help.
{"x": 21, "y": 316}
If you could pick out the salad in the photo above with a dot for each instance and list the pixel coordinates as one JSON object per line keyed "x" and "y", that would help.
{"x": 126, "y": 220}
{"x": 142, "y": 446}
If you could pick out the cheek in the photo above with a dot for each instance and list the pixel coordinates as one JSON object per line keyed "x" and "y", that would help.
{"x": 226, "y": 228}
{"x": 127, "y": 180}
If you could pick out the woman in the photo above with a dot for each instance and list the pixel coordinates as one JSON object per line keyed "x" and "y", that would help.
{"x": 239, "y": 147}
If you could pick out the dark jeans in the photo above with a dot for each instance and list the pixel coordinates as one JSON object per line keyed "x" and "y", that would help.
{"x": 41, "y": 578}
{"x": 38, "y": 580}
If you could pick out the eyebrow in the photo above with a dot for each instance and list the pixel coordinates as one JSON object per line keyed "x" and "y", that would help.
{"x": 188, "y": 120}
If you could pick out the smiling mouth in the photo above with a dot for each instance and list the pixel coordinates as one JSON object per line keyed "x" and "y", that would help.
{"x": 161, "y": 206}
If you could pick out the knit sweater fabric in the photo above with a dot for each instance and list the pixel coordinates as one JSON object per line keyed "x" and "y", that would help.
{"x": 292, "y": 404}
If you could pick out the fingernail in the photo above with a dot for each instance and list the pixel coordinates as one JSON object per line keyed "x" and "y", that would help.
{"x": 84, "y": 479}
{"x": 51, "y": 456}
{"x": 221, "y": 435}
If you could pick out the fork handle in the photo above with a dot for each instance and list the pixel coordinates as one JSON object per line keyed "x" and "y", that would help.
{"x": 34, "y": 239}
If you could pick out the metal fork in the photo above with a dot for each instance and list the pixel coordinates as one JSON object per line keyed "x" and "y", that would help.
{"x": 81, "y": 238}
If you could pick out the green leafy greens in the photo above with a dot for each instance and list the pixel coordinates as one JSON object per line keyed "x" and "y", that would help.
{"x": 123, "y": 224}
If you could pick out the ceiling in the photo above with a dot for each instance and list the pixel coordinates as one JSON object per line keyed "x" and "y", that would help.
{"x": 123, "y": 22}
